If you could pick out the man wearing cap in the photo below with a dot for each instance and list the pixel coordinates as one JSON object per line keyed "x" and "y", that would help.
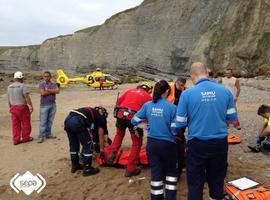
{"x": 21, "y": 107}
{"x": 48, "y": 91}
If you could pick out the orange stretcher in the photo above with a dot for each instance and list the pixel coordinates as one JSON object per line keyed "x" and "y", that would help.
{"x": 233, "y": 139}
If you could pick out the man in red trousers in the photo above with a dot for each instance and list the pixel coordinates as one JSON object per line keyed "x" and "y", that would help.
{"x": 127, "y": 105}
{"x": 21, "y": 107}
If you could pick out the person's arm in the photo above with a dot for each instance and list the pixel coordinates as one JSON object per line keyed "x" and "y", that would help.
{"x": 27, "y": 98}
{"x": 265, "y": 132}
{"x": 54, "y": 90}
{"x": 29, "y": 102}
{"x": 231, "y": 115}
{"x": 9, "y": 105}
{"x": 181, "y": 114}
{"x": 237, "y": 85}
{"x": 44, "y": 92}
{"x": 262, "y": 127}
{"x": 106, "y": 140}
{"x": 101, "y": 138}
{"x": 173, "y": 114}
{"x": 140, "y": 116}
{"x": 106, "y": 133}
{"x": 102, "y": 129}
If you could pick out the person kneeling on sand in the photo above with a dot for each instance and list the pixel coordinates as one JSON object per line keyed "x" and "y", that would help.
{"x": 264, "y": 131}
{"x": 81, "y": 125}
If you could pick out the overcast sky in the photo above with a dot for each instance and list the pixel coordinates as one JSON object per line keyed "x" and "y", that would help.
{"x": 26, "y": 22}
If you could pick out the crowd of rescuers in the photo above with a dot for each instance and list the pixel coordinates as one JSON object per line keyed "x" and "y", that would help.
{"x": 168, "y": 112}
{"x": 167, "y": 118}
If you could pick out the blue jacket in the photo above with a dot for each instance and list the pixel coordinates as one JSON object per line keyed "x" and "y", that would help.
{"x": 159, "y": 115}
{"x": 205, "y": 108}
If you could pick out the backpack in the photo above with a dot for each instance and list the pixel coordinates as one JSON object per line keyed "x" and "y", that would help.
{"x": 256, "y": 193}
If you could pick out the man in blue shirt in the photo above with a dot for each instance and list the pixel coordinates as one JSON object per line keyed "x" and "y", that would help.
{"x": 48, "y": 91}
{"x": 204, "y": 109}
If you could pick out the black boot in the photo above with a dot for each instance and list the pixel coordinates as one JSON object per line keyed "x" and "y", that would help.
{"x": 88, "y": 170}
{"x": 75, "y": 164}
{"x": 135, "y": 172}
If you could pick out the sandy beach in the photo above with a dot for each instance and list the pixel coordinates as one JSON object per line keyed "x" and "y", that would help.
{"x": 51, "y": 158}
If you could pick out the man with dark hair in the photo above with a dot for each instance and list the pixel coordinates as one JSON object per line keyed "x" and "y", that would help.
{"x": 48, "y": 91}
{"x": 176, "y": 89}
{"x": 20, "y": 107}
{"x": 264, "y": 130}
{"x": 232, "y": 83}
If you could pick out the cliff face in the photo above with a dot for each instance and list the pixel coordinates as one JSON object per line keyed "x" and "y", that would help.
{"x": 242, "y": 38}
{"x": 162, "y": 36}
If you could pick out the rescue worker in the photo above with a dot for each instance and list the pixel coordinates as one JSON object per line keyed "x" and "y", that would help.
{"x": 161, "y": 145}
{"x": 80, "y": 126}
{"x": 126, "y": 107}
{"x": 264, "y": 131}
{"x": 20, "y": 107}
{"x": 204, "y": 109}
{"x": 232, "y": 83}
{"x": 101, "y": 83}
{"x": 107, "y": 141}
{"x": 176, "y": 90}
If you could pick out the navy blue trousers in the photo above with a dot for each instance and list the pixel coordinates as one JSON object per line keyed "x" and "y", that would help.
{"x": 78, "y": 134}
{"x": 163, "y": 159}
{"x": 206, "y": 162}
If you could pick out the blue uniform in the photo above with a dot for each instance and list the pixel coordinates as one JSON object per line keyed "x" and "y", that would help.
{"x": 204, "y": 109}
{"x": 161, "y": 147}
{"x": 159, "y": 115}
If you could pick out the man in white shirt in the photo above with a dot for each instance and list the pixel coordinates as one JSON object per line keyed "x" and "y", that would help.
{"x": 232, "y": 83}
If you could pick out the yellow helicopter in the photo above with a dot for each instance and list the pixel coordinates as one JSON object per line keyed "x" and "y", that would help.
{"x": 96, "y": 79}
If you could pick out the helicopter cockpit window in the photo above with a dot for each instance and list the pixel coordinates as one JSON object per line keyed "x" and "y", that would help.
{"x": 101, "y": 78}
{"x": 108, "y": 78}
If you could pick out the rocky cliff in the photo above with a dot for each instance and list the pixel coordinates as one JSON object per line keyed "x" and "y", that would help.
{"x": 162, "y": 36}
